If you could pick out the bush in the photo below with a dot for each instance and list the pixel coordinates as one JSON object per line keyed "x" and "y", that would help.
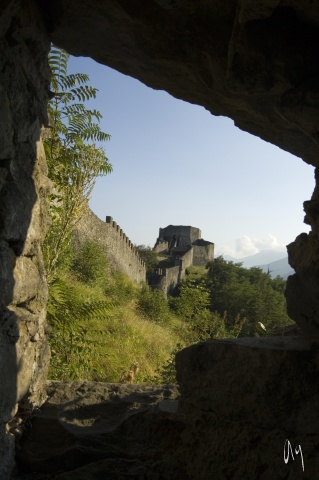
{"x": 71, "y": 314}
{"x": 90, "y": 263}
{"x": 121, "y": 288}
{"x": 153, "y": 304}
{"x": 148, "y": 256}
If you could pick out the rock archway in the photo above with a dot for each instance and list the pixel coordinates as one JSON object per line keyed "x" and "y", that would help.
{"x": 255, "y": 61}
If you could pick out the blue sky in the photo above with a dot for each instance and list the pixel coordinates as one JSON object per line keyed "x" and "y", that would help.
{"x": 175, "y": 163}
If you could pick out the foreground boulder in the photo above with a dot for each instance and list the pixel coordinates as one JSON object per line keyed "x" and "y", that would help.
{"x": 241, "y": 414}
{"x": 90, "y": 430}
{"x": 249, "y": 405}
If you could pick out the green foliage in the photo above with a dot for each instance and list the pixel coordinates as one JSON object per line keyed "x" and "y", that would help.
{"x": 71, "y": 339}
{"x": 90, "y": 263}
{"x": 153, "y": 304}
{"x": 200, "y": 323}
{"x": 148, "y": 255}
{"x": 95, "y": 338}
{"x": 121, "y": 289}
{"x": 193, "y": 300}
{"x": 246, "y": 296}
{"x": 71, "y": 120}
{"x": 97, "y": 330}
{"x": 73, "y": 165}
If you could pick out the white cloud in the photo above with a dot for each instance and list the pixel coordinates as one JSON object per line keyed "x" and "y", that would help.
{"x": 246, "y": 245}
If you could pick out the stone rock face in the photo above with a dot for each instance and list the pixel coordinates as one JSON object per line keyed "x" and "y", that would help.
{"x": 241, "y": 401}
{"x": 241, "y": 414}
{"x": 24, "y": 87}
{"x": 95, "y": 430}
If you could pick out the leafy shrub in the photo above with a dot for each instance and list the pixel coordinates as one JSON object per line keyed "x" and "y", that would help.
{"x": 153, "y": 304}
{"x": 90, "y": 263}
{"x": 70, "y": 315}
{"x": 246, "y": 294}
{"x": 192, "y": 301}
{"x": 120, "y": 288}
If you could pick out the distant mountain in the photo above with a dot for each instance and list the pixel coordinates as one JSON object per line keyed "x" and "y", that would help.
{"x": 261, "y": 258}
{"x": 268, "y": 260}
{"x": 280, "y": 267}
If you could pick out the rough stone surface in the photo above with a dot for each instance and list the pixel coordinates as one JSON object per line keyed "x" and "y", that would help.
{"x": 97, "y": 430}
{"x": 238, "y": 407}
{"x": 24, "y": 87}
{"x": 241, "y": 399}
{"x": 121, "y": 253}
{"x": 266, "y": 396}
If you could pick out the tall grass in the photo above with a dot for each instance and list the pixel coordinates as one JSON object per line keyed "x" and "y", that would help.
{"x": 100, "y": 324}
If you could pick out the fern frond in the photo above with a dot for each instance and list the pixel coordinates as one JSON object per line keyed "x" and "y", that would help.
{"x": 74, "y": 109}
{"x": 84, "y": 92}
{"x": 74, "y": 79}
{"x": 58, "y": 61}
{"x": 93, "y": 132}
{"x": 79, "y": 109}
{"x": 65, "y": 306}
{"x": 98, "y": 310}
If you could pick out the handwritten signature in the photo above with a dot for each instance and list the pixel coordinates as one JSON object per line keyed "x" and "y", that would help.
{"x": 289, "y": 452}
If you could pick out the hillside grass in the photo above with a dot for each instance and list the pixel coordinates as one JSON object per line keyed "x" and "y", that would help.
{"x": 102, "y": 322}
{"x": 104, "y": 343}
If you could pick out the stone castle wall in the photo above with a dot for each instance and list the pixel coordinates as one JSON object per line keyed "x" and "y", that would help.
{"x": 161, "y": 247}
{"x": 199, "y": 252}
{"x": 186, "y": 261}
{"x": 191, "y": 234}
{"x": 166, "y": 279}
{"x": 121, "y": 253}
{"x": 203, "y": 254}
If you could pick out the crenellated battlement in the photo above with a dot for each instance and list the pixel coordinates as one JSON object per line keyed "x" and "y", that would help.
{"x": 109, "y": 220}
{"x": 120, "y": 251}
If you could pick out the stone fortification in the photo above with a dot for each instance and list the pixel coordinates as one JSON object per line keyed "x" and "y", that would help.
{"x": 203, "y": 252}
{"x": 121, "y": 253}
{"x": 176, "y": 240}
{"x": 188, "y": 233}
{"x": 167, "y": 278}
{"x": 183, "y": 247}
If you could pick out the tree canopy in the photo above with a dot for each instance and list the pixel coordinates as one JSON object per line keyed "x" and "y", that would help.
{"x": 247, "y": 294}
